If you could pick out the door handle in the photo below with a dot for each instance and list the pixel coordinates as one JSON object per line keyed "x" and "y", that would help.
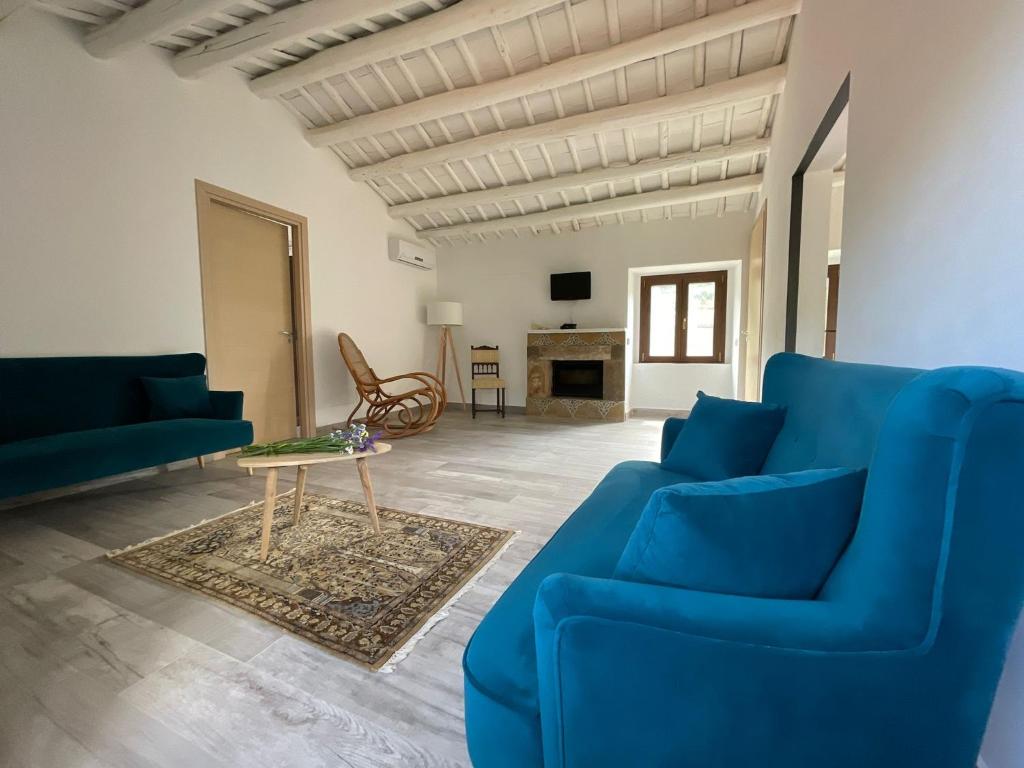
{"x": 288, "y": 334}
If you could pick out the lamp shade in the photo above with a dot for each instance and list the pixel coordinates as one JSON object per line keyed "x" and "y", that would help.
{"x": 444, "y": 313}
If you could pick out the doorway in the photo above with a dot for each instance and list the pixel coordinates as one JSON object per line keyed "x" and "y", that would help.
{"x": 815, "y": 234}
{"x": 255, "y": 285}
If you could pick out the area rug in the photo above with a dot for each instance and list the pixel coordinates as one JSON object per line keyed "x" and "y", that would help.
{"x": 330, "y": 579}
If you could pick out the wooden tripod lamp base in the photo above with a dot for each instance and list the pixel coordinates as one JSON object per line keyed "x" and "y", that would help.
{"x": 446, "y": 314}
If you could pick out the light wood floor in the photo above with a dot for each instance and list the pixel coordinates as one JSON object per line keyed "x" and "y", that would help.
{"x": 103, "y": 667}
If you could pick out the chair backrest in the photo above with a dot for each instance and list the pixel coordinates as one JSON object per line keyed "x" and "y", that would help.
{"x": 943, "y": 488}
{"x": 361, "y": 371}
{"x": 42, "y": 396}
{"x": 834, "y": 411}
{"x": 935, "y": 561}
{"x": 483, "y": 361}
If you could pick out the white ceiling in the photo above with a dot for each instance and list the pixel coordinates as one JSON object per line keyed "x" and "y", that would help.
{"x": 491, "y": 154}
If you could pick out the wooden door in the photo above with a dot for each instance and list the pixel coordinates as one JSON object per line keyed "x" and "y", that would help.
{"x": 754, "y": 332}
{"x": 831, "y": 311}
{"x": 247, "y": 306}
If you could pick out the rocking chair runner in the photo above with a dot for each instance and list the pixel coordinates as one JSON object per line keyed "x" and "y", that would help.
{"x": 398, "y": 415}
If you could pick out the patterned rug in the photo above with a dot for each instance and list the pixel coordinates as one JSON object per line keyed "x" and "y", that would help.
{"x": 329, "y": 579}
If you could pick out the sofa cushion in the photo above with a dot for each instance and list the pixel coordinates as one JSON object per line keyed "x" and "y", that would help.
{"x": 833, "y": 410}
{"x": 501, "y": 659}
{"x": 724, "y": 438}
{"x": 74, "y": 457}
{"x": 181, "y": 397}
{"x": 774, "y": 536}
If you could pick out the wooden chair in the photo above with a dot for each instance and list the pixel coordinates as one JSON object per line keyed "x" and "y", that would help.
{"x": 485, "y": 373}
{"x": 396, "y": 415}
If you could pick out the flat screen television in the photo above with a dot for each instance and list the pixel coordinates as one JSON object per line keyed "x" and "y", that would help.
{"x": 570, "y": 286}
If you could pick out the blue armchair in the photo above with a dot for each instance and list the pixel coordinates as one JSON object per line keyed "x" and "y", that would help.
{"x": 896, "y": 661}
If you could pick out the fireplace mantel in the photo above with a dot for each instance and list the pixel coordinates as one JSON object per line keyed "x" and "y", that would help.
{"x": 607, "y": 345}
{"x": 578, "y": 330}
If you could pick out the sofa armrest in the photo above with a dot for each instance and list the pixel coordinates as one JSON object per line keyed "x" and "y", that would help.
{"x": 636, "y": 674}
{"x": 226, "y": 405}
{"x": 669, "y": 432}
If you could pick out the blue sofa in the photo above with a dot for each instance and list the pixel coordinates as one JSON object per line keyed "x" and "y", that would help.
{"x": 896, "y": 661}
{"x": 65, "y": 420}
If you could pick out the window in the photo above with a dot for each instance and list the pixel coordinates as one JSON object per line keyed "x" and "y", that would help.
{"x": 682, "y": 318}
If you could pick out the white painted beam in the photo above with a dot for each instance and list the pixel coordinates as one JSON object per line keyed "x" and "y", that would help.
{"x": 147, "y": 24}
{"x": 457, "y": 20}
{"x": 68, "y": 13}
{"x": 741, "y": 185}
{"x": 589, "y": 178}
{"x": 8, "y": 7}
{"x": 564, "y": 72}
{"x": 753, "y": 86}
{"x": 278, "y": 29}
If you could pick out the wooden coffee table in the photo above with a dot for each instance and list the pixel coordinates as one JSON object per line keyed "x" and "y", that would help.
{"x": 304, "y": 461}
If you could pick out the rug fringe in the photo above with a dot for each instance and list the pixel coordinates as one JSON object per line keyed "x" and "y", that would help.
{"x": 115, "y": 552}
{"x": 400, "y": 655}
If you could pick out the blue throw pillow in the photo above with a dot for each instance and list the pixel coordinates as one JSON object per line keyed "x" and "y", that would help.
{"x": 775, "y": 536}
{"x": 724, "y": 438}
{"x": 184, "y": 397}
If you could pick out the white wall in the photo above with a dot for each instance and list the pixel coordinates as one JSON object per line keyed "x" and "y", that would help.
{"x": 98, "y": 224}
{"x": 814, "y": 242}
{"x": 503, "y": 285}
{"x": 932, "y": 228}
{"x": 835, "y": 226}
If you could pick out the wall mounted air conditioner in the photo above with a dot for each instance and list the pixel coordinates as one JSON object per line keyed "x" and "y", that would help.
{"x": 414, "y": 255}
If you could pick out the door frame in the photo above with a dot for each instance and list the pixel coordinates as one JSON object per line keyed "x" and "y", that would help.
{"x": 754, "y": 377}
{"x": 208, "y": 195}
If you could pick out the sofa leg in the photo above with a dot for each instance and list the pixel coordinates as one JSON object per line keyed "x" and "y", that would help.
{"x": 201, "y": 461}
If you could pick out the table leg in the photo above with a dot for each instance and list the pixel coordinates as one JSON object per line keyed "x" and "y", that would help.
{"x": 300, "y": 486}
{"x": 268, "y": 512}
{"x": 364, "y": 477}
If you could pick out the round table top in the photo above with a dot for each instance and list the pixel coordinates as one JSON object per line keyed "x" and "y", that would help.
{"x": 303, "y": 459}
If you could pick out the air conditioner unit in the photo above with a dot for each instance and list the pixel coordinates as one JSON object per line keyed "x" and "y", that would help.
{"x": 412, "y": 254}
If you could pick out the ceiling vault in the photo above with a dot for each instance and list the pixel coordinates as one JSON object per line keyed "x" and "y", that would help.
{"x": 476, "y": 118}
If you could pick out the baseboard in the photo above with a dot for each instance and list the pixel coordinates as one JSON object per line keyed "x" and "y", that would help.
{"x": 658, "y": 413}
{"x": 518, "y": 410}
{"x": 102, "y": 482}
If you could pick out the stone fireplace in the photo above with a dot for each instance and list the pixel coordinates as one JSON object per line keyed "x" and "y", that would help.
{"x": 577, "y": 374}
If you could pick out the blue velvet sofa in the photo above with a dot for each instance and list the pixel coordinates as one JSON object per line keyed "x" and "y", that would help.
{"x": 65, "y": 420}
{"x": 896, "y": 661}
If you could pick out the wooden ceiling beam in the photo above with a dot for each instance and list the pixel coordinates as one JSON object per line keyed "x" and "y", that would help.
{"x": 277, "y": 30}
{"x": 147, "y": 24}
{"x": 460, "y": 19}
{"x": 570, "y": 70}
{"x": 584, "y": 179}
{"x": 740, "y": 185}
{"x": 717, "y": 96}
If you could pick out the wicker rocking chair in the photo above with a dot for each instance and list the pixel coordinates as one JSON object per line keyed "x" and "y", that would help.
{"x": 398, "y": 415}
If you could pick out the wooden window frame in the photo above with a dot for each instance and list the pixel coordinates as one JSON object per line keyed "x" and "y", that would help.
{"x": 682, "y": 281}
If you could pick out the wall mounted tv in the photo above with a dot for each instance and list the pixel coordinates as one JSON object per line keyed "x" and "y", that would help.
{"x": 570, "y": 286}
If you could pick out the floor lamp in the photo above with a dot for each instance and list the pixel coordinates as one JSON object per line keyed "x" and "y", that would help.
{"x": 446, "y": 314}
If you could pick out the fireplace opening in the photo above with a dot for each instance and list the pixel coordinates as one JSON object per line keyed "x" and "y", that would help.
{"x": 577, "y": 378}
